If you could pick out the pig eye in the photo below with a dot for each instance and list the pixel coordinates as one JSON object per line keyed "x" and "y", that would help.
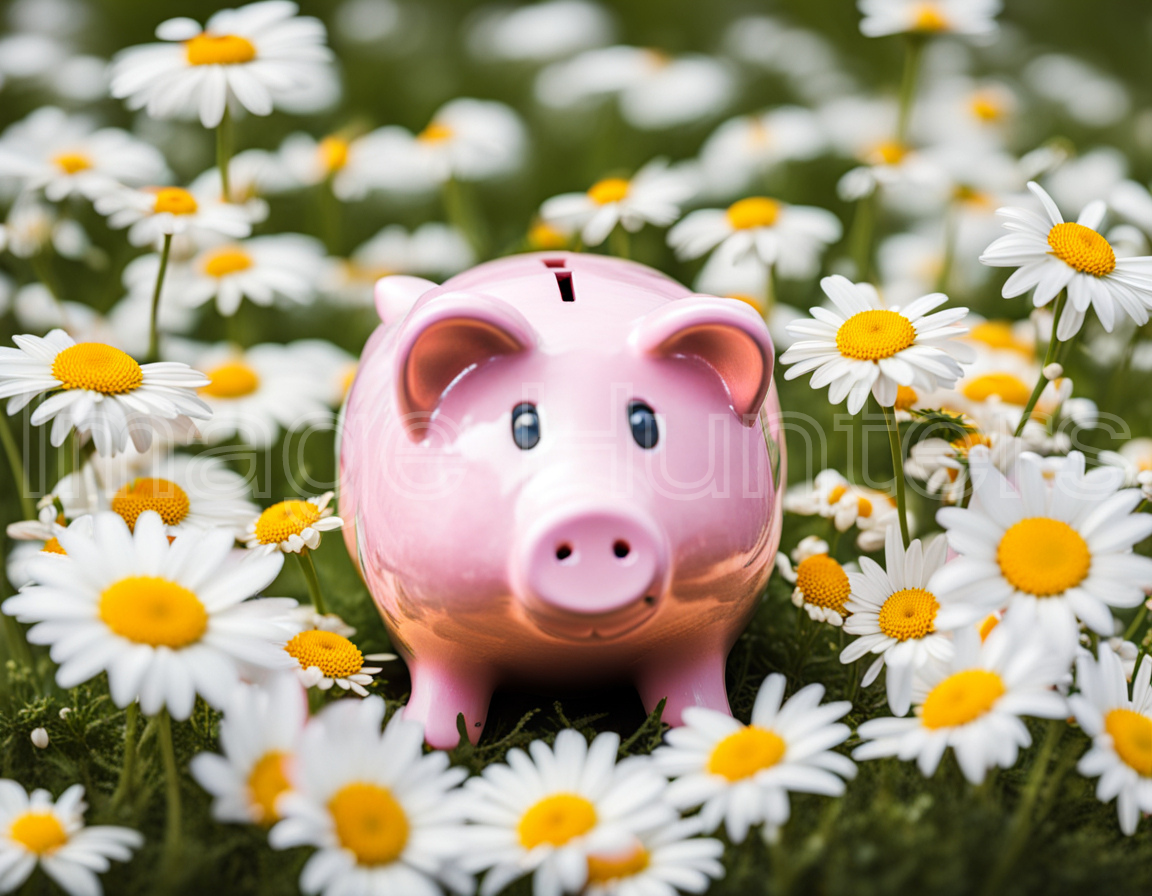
{"x": 525, "y": 426}
{"x": 642, "y": 419}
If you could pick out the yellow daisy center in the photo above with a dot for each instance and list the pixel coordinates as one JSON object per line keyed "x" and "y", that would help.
{"x": 1043, "y": 556}
{"x": 72, "y": 162}
{"x": 162, "y": 495}
{"x": 436, "y": 133}
{"x": 556, "y": 819}
{"x": 98, "y": 367}
{"x": 611, "y": 189}
{"x": 287, "y": 518}
{"x": 1082, "y": 248}
{"x": 219, "y": 49}
{"x": 990, "y": 622}
{"x": 38, "y": 832}
{"x": 823, "y": 582}
{"x": 369, "y": 822}
{"x": 743, "y": 753}
{"x": 175, "y": 201}
{"x": 232, "y": 380}
{"x": 333, "y": 152}
{"x": 53, "y": 546}
{"x": 154, "y": 611}
{"x": 332, "y": 654}
{"x": 266, "y": 782}
{"x": 542, "y": 236}
{"x": 1131, "y": 735}
{"x": 755, "y": 211}
{"x": 602, "y": 869}
{"x": 756, "y": 303}
{"x": 906, "y": 397}
{"x": 961, "y": 698}
{"x": 226, "y": 260}
{"x": 987, "y": 106}
{"x": 929, "y": 17}
{"x": 909, "y": 613}
{"x": 875, "y": 334}
{"x": 1007, "y": 387}
{"x": 965, "y": 444}
{"x": 889, "y": 152}
{"x": 1000, "y": 335}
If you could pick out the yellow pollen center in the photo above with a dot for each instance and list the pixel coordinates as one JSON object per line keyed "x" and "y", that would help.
{"x": 823, "y": 582}
{"x": 908, "y": 614}
{"x": 986, "y": 106}
{"x": 1082, "y": 248}
{"x": 175, "y": 201}
{"x": 906, "y": 397}
{"x": 1043, "y": 556}
{"x": 219, "y": 49}
{"x": 52, "y": 546}
{"x": 232, "y": 380}
{"x": 98, "y": 367}
{"x": 154, "y": 611}
{"x": 72, "y": 162}
{"x": 1131, "y": 735}
{"x": 929, "y": 18}
{"x": 542, "y": 236}
{"x": 888, "y": 153}
{"x": 755, "y": 211}
{"x": 603, "y": 869}
{"x": 266, "y": 782}
{"x": 435, "y": 133}
{"x": 863, "y": 507}
{"x": 556, "y": 820}
{"x": 990, "y": 622}
{"x": 226, "y": 260}
{"x": 332, "y": 654}
{"x": 999, "y": 334}
{"x": 333, "y": 153}
{"x": 966, "y": 443}
{"x": 961, "y": 698}
{"x": 743, "y": 753}
{"x": 287, "y": 518}
{"x": 38, "y": 832}
{"x": 874, "y": 335}
{"x": 611, "y": 189}
{"x": 162, "y": 495}
{"x": 370, "y": 823}
{"x": 838, "y": 492}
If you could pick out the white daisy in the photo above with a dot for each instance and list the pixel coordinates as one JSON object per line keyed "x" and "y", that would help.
{"x": 670, "y": 860}
{"x": 653, "y": 196}
{"x": 1052, "y": 255}
{"x": 336, "y": 158}
{"x": 377, "y": 808}
{"x": 166, "y": 621}
{"x": 833, "y": 497}
{"x": 51, "y": 834}
{"x": 943, "y": 463}
{"x": 259, "y": 736}
{"x": 327, "y": 658}
{"x": 152, "y": 213}
{"x": 1134, "y": 458}
{"x": 1062, "y": 547}
{"x": 252, "y": 175}
{"x": 32, "y": 226}
{"x": 894, "y": 613}
{"x": 254, "y": 57}
{"x": 547, "y": 810}
{"x": 97, "y": 390}
{"x": 540, "y": 32}
{"x": 742, "y": 774}
{"x": 745, "y": 148}
{"x": 1121, "y": 730}
{"x": 970, "y": 17}
{"x": 822, "y": 587}
{"x": 863, "y": 347}
{"x": 292, "y": 525}
{"x": 974, "y": 702}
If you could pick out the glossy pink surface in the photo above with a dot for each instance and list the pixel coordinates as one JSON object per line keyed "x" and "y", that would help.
{"x": 586, "y": 558}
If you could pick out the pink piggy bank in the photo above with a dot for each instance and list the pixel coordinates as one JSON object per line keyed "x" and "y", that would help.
{"x": 561, "y": 469}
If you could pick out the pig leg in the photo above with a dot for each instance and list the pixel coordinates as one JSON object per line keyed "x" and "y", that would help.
{"x": 440, "y": 693}
{"x": 695, "y": 680}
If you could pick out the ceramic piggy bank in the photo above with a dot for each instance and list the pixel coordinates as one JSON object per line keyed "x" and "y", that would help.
{"x": 557, "y": 470}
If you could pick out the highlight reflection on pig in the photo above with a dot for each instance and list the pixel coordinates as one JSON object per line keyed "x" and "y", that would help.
{"x": 554, "y": 471}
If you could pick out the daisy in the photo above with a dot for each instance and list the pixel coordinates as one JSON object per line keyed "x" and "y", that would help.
{"x": 669, "y": 860}
{"x": 968, "y": 17}
{"x": 292, "y": 525}
{"x": 97, "y": 390}
{"x": 1121, "y": 730}
{"x": 748, "y": 281}
{"x": 540, "y": 32}
{"x": 894, "y": 613}
{"x": 1062, "y": 547}
{"x": 377, "y": 808}
{"x": 259, "y": 736}
{"x": 833, "y": 497}
{"x": 1134, "y": 458}
{"x": 862, "y": 346}
{"x": 327, "y": 658}
{"x": 32, "y": 226}
{"x": 653, "y": 196}
{"x": 51, "y": 834}
{"x": 805, "y": 59}
{"x": 741, "y": 774}
{"x": 253, "y": 58}
{"x": 153, "y": 213}
{"x": 1051, "y": 255}
{"x": 65, "y": 155}
{"x": 252, "y": 175}
{"x": 822, "y": 587}
{"x": 546, "y": 811}
{"x": 745, "y": 148}
{"x": 943, "y": 463}
{"x": 166, "y": 621}
{"x": 337, "y": 159}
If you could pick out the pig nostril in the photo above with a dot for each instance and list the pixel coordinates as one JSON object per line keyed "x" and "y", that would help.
{"x": 621, "y": 549}
{"x": 563, "y": 552}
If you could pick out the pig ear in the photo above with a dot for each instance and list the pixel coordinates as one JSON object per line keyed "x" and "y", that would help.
{"x": 726, "y": 334}
{"x": 445, "y": 338}
{"x": 396, "y": 294}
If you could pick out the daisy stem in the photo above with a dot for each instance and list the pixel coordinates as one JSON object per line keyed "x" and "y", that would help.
{"x": 153, "y": 324}
{"x": 898, "y": 471}
{"x": 1049, "y": 357}
{"x": 1137, "y": 621}
{"x": 949, "y": 249}
{"x": 860, "y": 238}
{"x": 313, "y": 581}
{"x": 224, "y": 152}
{"x": 172, "y": 790}
{"x": 19, "y": 474}
{"x": 128, "y": 769}
{"x": 462, "y": 214}
{"x": 618, "y": 242}
{"x": 914, "y": 48}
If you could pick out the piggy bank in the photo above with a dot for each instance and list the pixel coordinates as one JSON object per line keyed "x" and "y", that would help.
{"x": 558, "y": 470}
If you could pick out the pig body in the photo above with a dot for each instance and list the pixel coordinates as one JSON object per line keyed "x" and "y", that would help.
{"x": 559, "y": 469}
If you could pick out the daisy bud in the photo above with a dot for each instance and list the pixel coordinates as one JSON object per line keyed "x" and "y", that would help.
{"x": 39, "y": 738}
{"x": 64, "y": 712}
{"x": 1053, "y": 371}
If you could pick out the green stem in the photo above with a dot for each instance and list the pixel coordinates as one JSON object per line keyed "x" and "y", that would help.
{"x": 1137, "y": 621}
{"x": 619, "y": 243}
{"x": 128, "y": 769}
{"x": 860, "y": 239}
{"x": 898, "y": 471}
{"x": 19, "y": 474}
{"x": 1049, "y": 357}
{"x": 950, "y": 226}
{"x": 330, "y": 216}
{"x": 224, "y": 153}
{"x": 154, "y": 323}
{"x": 309, "y": 569}
{"x": 463, "y": 214}
{"x": 913, "y": 50}
{"x": 172, "y": 791}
